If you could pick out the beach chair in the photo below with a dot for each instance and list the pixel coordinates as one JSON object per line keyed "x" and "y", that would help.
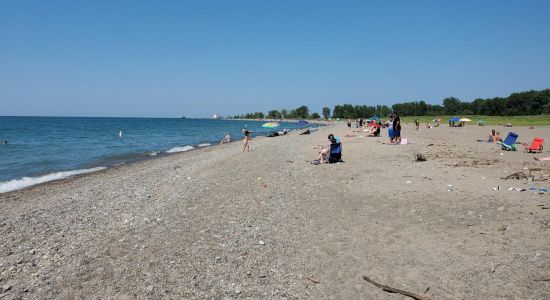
{"x": 335, "y": 154}
{"x": 509, "y": 143}
{"x": 536, "y": 145}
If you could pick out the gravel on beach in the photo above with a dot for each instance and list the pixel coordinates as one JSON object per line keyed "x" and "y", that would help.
{"x": 219, "y": 223}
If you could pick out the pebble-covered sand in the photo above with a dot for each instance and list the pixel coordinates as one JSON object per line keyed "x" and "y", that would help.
{"x": 218, "y": 223}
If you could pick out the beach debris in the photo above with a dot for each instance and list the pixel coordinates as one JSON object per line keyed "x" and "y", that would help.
{"x": 450, "y": 187}
{"x": 313, "y": 280}
{"x": 261, "y": 242}
{"x": 517, "y": 175}
{"x": 238, "y": 290}
{"x": 547, "y": 278}
{"x": 6, "y": 288}
{"x": 497, "y": 188}
{"x": 419, "y": 157}
{"x": 502, "y": 228}
{"x": 390, "y": 289}
{"x": 408, "y": 182}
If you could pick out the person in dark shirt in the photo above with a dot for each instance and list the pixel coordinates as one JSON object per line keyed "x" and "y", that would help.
{"x": 397, "y": 128}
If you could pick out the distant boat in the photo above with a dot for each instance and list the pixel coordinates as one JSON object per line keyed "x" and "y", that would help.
{"x": 216, "y": 116}
{"x": 183, "y": 117}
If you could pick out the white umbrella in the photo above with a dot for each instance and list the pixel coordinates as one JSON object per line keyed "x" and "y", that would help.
{"x": 464, "y": 120}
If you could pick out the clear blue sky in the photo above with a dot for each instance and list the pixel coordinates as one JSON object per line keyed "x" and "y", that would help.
{"x": 193, "y": 58}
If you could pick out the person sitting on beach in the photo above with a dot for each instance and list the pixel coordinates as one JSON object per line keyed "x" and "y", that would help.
{"x": 226, "y": 139}
{"x": 325, "y": 151}
{"x": 491, "y": 136}
{"x": 375, "y": 132}
{"x": 497, "y": 137}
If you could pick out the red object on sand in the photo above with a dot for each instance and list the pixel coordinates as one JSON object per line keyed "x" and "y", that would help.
{"x": 536, "y": 146}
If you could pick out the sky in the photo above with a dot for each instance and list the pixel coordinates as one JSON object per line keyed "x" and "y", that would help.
{"x": 193, "y": 58}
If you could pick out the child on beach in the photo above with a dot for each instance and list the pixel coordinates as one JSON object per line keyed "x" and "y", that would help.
{"x": 497, "y": 138}
{"x": 246, "y": 146}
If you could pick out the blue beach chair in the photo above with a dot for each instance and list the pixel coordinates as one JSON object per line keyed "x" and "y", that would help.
{"x": 335, "y": 154}
{"x": 509, "y": 143}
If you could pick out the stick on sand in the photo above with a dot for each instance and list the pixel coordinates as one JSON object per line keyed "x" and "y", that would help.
{"x": 389, "y": 289}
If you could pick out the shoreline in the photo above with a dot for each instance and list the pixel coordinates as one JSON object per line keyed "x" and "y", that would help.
{"x": 86, "y": 168}
{"x": 221, "y": 223}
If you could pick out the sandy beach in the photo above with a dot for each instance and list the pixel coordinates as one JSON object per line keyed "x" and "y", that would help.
{"x": 217, "y": 223}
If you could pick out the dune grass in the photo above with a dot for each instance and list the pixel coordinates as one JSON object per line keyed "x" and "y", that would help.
{"x": 540, "y": 120}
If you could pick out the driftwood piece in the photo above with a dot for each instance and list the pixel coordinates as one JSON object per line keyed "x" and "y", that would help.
{"x": 389, "y": 289}
{"x": 313, "y": 280}
{"x": 517, "y": 175}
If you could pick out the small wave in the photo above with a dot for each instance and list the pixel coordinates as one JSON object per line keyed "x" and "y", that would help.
{"x": 180, "y": 149}
{"x": 154, "y": 153}
{"x": 16, "y": 184}
{"x": 204, "y": 145}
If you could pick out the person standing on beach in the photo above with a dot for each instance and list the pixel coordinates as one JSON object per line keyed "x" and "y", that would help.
{"x": 246, "y": 146}
{"x": 390, "y": 129}
{"x": 349, "y": 123}
{"x": 417, "y": 124}
{"x": 397, "y": 128}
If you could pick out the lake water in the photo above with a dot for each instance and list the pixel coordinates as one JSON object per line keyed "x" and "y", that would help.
{"x": 41, "y": 149}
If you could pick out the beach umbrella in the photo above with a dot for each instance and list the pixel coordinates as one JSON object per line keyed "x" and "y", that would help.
{"x": 270, "y": 125}
{"x": 376, "y": 118}
{"x": 454, "y": 119}
{"x": 302, "y": 122}
{"x": 464, "y": 120}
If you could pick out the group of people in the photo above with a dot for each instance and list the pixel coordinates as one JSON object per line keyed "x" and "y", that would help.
{"x": 394, "y": 129}
{"x": 494, "y": 137}
{"x": 246, "y": 146}
{"x": 362, "y": 125}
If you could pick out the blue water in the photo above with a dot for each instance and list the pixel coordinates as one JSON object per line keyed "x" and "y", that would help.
{"x": 43, "y": 145}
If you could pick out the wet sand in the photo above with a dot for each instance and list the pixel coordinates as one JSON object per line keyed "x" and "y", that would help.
{"x": 217, "y": 223}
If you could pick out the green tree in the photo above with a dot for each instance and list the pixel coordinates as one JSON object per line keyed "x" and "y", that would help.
{"x": 302, "y": 112}
{"x": 284, "y": 113}
{"x": 274, "y": 114}
{"x": 315, "y": 116}
{"x": 326, "y": 112}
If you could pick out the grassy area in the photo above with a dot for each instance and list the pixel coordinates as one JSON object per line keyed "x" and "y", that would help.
{"x": 540, "y": 120}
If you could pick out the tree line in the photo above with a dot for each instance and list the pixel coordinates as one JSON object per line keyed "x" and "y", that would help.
{"x": 522, "y": 103}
